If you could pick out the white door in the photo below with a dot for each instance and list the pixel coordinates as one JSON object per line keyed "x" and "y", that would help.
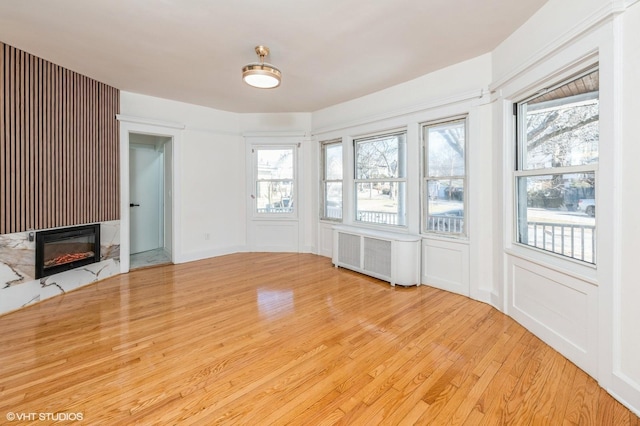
{"x": 145, "y": 198}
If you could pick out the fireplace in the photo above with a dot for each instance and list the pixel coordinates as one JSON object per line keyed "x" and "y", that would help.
{"x": 59, "y": 250}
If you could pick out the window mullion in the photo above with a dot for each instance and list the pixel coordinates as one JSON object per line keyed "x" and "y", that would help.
{"x": 590, "y": 168}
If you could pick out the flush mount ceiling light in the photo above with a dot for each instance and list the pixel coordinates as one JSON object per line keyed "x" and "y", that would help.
{"x": 261, "y": 74}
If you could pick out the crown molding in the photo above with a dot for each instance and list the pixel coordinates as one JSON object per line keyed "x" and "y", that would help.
{"x": 479, "y": 96}
{"x": 149, "y": 122}
{"x": 598, "y": 17}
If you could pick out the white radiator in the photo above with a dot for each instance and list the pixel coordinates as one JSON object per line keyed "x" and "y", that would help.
{"x": 385, "y": 255}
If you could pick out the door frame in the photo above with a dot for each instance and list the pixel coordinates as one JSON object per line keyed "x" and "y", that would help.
{"x": 129, "y": 124}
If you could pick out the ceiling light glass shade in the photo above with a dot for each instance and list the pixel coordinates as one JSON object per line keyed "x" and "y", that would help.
{"x": 261, "y": 74}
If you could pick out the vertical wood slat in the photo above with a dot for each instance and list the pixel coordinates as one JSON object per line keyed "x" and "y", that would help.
{"x": 46, "y": 144}
{"x": 32, "y": 177}
{"x": 58, "y": 166}
{"x": 3, "y": 131}
{"x": 59, "y": 148}
{"x": 93, "y": 122}
{"x": 19, "y": 175}
{"x": 12, "y": 141}
{"x": 37, "y": 153}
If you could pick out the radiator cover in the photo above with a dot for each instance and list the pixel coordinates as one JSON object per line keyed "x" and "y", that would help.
{"x": 389, "y": 256}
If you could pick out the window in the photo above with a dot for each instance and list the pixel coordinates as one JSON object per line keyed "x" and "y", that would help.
{"x": 381, "y": 179}
{"x": 444, "y": 177}
{"x": 274, "y": 183}
{"x": 331, "y": 176}
{"x": 556, "y": 171}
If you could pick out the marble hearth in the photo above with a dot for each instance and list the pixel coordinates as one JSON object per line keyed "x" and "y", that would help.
{"x": 20, "y": 288}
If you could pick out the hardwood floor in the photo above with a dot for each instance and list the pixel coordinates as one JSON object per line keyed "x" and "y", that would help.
{"x": 260, "y": 339}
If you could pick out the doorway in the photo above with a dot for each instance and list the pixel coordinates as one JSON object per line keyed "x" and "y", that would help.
{"x": 149, "y": 189}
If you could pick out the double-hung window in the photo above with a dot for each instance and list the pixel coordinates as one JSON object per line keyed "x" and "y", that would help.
{"x": 444, "y": 177}
{"x": 556, "y": 168}
{"x": 274, "y": 170}
{"x": 381, "y": 179}
{"x": 331, "y": 180}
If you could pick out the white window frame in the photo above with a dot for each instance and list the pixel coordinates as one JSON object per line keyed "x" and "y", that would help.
{"x": 521, "y": 172}
{"x": 402, "y": 165}
{"x": 324, "y": 180}
{"x": 294, "y": 180}
{"x": 426, "y": 177}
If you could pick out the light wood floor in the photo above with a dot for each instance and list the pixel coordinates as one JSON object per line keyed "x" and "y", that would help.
{"x": 260, "y": 339}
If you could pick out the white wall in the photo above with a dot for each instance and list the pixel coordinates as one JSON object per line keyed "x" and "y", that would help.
{"x": 556, "y": 23}
{"x": 211, "y": 174}
{"x": 431, "y": 90}
{"x": 275, "y": 124}
{"x": 626, "y": 319}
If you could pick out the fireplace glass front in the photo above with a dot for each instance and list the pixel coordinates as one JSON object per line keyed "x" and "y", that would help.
{"x": 59, "y": 250}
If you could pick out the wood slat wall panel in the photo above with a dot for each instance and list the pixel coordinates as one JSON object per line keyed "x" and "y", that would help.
{"x": 59, "y": 147}
{"x": 3, "y": 198}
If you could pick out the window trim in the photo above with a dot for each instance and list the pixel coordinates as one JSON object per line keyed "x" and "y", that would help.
{"x": 425, "y": 178}
{"x": 323, "y": 179}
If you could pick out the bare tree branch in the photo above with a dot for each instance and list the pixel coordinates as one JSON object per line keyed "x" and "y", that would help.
{"x": 453, "y": 140}
{"x": 535, "y": 143}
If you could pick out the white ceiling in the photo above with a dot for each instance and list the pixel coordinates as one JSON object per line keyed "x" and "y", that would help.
{"x": 329, "y": 51}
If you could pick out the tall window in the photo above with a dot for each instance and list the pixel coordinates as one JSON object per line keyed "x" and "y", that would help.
{"x": 331, "y": 180}
{"x": 444, "y": 177}
{"x": 556, "y": 169}
{"x": 381, "y": 179}
{"x": 274, "y": 183}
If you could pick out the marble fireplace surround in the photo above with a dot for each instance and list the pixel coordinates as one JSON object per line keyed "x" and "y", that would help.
{"x": 20, "y": 288}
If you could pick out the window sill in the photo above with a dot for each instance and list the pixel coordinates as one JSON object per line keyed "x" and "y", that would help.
{"x": 330, "y": 221}
{"x": 397, "y": 229}
{"x": 575, "y": 268}
{"x": 275, "y": 217}
{"x": 446, "y": 238}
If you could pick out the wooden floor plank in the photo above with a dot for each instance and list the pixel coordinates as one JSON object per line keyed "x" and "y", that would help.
{"x": 576, "y": 398}
{"x": 283, "y": 338}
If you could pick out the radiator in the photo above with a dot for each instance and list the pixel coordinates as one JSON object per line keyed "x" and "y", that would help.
{"x": 385, "y": 255}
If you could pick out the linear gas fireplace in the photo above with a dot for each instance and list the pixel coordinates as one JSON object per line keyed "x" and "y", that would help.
{"x": 59, "y": 250}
